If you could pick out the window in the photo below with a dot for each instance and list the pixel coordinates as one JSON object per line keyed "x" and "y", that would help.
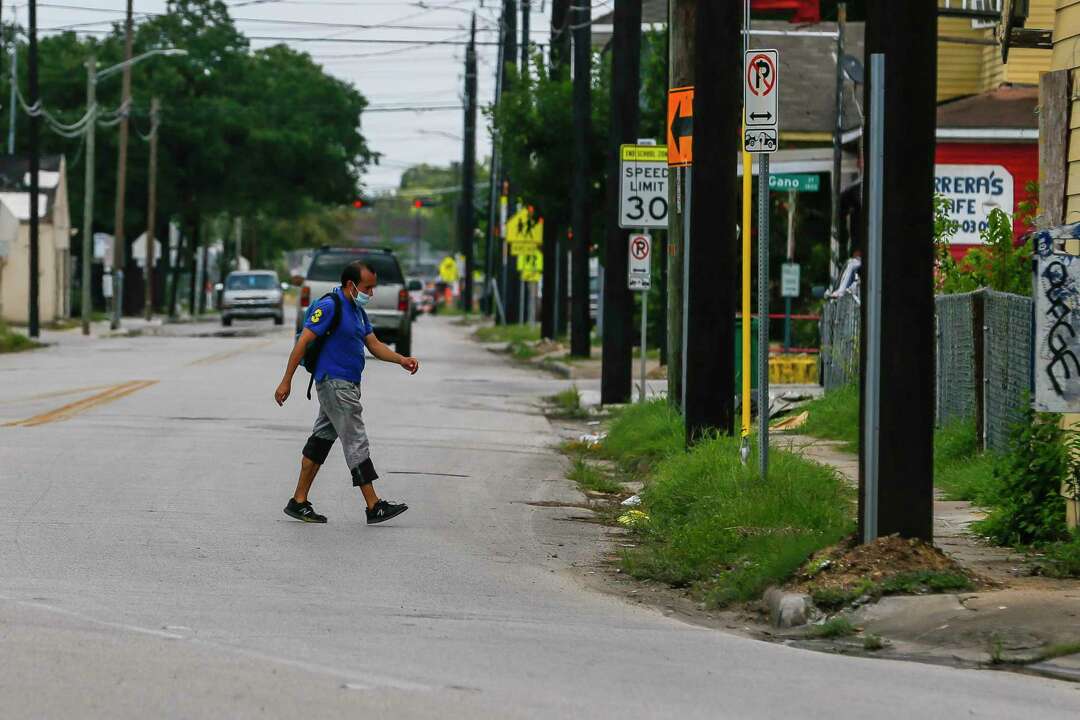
{"x": 251, "y": 282}
{"x": 327, "y": 266}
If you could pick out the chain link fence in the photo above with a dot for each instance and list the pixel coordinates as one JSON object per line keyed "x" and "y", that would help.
{"x": 994, "y": 369}
{"x": 840, "y": 342}
{"x": 955, "y": 357}
{"x": 1007, "y": 364}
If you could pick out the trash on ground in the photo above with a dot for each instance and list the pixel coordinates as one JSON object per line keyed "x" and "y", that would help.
{"x": 632, "y": 501}
{"x": 792, "y": 423}
{"x": 592, "y": 439}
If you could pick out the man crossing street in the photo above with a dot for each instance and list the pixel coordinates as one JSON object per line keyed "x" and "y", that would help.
{"x": 340, "y": 330}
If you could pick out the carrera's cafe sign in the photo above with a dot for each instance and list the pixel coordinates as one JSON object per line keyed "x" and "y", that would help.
{"x": 972, "y": 192}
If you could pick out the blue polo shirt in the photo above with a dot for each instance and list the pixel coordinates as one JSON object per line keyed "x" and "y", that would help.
{"x": 342, "y": 357}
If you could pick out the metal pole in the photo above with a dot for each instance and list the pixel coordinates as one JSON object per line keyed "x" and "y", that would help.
{"x": 763, "y": 315}
{"x": 151, "y": 210}
{"x": 119, "y": 245}
{"x": 644, "y": 331}
{"x": 793, "y": 204}
{"x": 13, "y": 102}
{"x": 838, "y": 149}
{"x": 35, "y": 122}
{"x": 872, "y": 406}
{"x": 88, "y": 193}
{"x": 747, "y": 262}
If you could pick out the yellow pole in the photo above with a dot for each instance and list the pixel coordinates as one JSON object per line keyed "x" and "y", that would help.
{"x": 747, "y": 185}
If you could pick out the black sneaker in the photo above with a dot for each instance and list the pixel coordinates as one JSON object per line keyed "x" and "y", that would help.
{"x": 303, "y": 511}
{"x": 384, "y": 511}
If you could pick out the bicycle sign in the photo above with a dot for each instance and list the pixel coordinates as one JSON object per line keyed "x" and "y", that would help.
{"x": 761, "y": 90}
{"x": 643, "y": 189}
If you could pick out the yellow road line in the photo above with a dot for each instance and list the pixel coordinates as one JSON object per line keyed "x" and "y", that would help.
{"x": 55, "y": 394}
{"x": 218, "y": 357}
{"x": 65, "y": 412}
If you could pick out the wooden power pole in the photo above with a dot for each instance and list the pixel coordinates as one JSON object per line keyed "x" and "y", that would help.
{"x": 468, "y": 173}
{"x": 682, "y": 17}
{"x": 119, "y": 247}
{"x": 35, "y": 124}
{"x": 579, "y": 202}
{"x": 712, "y": 252}
{"x": 905, "y": 472}
{"x": 616, "y": 380}
{"x": 558, "y": 276}
{"x": 151, "y": 209}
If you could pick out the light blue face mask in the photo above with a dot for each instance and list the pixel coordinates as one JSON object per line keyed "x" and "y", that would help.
{"x": 361, "y": 299}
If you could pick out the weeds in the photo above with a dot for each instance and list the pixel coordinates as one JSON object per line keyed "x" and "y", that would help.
{"x": 835, "y": 416}
{"x": 590, "y": 477}
{"x": 1061, "y": 560}
{"x": 14, "y": 341}
{"x": 872, "y": 642}
{"x": 836, "y": 627}
{"x": 716, "y": 527}
{"x": 961, "y": 472}
{"x": 567, "y": 404}
{"x": 508, "y": 333}
{"x": 909, "y": 583}
{"x": 644, "y": 434}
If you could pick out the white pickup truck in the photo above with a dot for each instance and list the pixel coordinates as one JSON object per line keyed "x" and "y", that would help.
{"x": 390, "y": 311}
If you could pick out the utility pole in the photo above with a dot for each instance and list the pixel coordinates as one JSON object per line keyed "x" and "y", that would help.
{"x": 712, "y": 255}
{"x": 555, "y": 275}
{"x": 88, "y": 193}
{"x": 492, "y": 249}
{"x": 579, "y": 202}
{"x": 682, "y": 16}
{"x": 526, "y": 11}
{"x": 35, "y": 123}
{"x": 838, "y": 149}
{"x": 904, "y": 470}
{"x": 468, "y": 172}
{"x": 151, "y": 209}
{"x": 510, "y": 289}
{"x": 13, "y": 102}
{"x": 616, "y": 382}
{"x": 119, "y": 248}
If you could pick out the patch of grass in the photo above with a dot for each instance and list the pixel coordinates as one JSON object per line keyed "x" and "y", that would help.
{"x": 508, "y": 333}
{"x": 835, "y": 416}
{"x": 522, "y": 351}
{"x": 717, "y": 528}
{"x": 590, "y": 477}
{"x": 567, "y": 404}
{"x": 872, "y": 642}
{"x": 836, "y": 627}
{"x": 14, "y": 341}
{"x": 1062, "y": 559}
{"x": 1057, "y": 650}
{"x": 961, "y": 472}
{"x": 910, "y": 583}
{"x": 644, "y": 434}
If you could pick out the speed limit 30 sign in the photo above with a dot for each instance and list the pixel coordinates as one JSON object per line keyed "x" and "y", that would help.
{"x": 643, "y": 189}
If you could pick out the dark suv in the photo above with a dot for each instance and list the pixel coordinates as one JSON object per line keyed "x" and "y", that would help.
{"x": 390, "y": 311}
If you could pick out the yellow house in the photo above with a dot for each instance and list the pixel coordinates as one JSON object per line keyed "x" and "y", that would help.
{"x": 969, "y": 57}
{"x": 1066, "y": 56}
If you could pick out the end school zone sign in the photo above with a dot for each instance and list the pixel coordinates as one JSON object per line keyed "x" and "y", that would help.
{"x": 643, "y": 186}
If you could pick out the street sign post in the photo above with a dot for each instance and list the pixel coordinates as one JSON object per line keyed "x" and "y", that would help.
{"x": 640, "y": 279}
{"x": 643, "y": 186}
{"x": 761, "y": 90}
{"x": 761, "y": 122}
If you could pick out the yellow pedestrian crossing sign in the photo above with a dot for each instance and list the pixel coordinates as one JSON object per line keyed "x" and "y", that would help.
{"x": 448, "y": 269}
{"x": 531, "y": 265}
{"x": 523, "y": 233}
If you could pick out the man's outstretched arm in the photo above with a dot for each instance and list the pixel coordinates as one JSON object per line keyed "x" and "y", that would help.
{"x": 380, "y": 350}
{"x": 297, "y": 354}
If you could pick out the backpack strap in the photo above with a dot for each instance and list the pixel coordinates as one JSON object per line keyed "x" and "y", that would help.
{"x": 334, "y": 322}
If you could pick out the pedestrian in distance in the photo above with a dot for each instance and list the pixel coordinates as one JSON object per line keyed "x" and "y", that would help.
{"x": 331, "y": 346}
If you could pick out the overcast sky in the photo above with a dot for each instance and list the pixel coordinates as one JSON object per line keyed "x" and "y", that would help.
{"x": 389, "y": 75}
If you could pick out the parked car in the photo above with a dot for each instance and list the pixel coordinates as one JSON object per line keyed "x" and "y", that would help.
{"x": 415, "y": 287}
{"x": 251, "y": 295}
{"x": 390, "y": 310}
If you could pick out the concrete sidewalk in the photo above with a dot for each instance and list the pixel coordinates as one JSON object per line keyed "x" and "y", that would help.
{"x": 1017, "y": 619}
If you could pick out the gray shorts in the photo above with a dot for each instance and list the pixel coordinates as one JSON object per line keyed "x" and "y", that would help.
{"x": 341, "y": 416}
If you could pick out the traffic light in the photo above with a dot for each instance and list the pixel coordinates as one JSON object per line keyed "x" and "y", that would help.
{"x": 418, "y": 203}
{"x": 361, "y": 203}
{"x": 424, "y": 203}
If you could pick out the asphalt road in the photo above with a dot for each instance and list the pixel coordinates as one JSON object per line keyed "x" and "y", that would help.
{"x": 146, "y": 568}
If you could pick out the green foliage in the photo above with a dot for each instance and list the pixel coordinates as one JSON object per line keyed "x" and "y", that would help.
{"x": 590, "y": 477}
{"x": 507, "y": 333}
{"x": 835, "y": 416}
{"x": 999, "y": 264}
{"x": 14, "y": 341}
{"x": 567, "y": 404}
{"x": 717, "y": 527}
{"x": 872, "y": 642}
{"x": 961, "y": 472}
{"x": 919, "y": 582}
{"x": 644, "y": 434}
{"x": 1061, "y": 559}
{"x": 836, "y": 627}
{"x": 1024, "y": 503}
